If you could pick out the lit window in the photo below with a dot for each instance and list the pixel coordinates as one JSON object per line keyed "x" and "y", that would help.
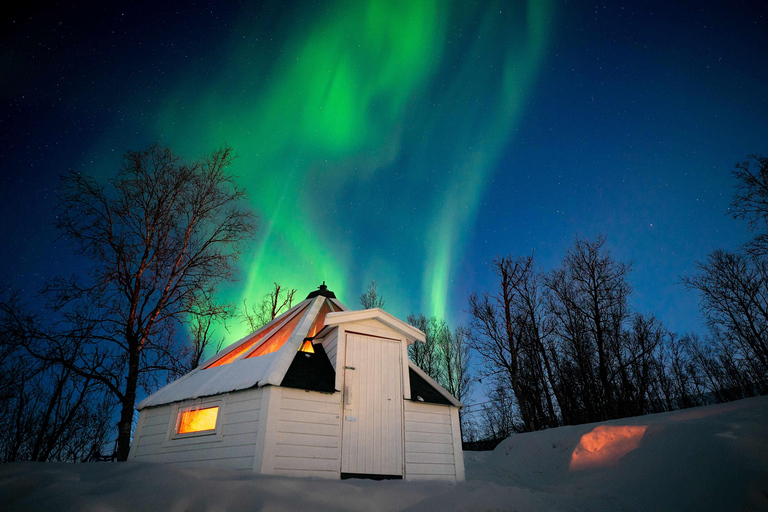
{"x": 307, "y": 347}
{"x": 197, "y": 420}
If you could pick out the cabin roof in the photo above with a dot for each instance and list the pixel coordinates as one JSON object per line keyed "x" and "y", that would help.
{"x": 265, "y": 356}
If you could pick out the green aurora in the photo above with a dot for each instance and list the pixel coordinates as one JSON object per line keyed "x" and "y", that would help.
{"x": 367, "y": 134}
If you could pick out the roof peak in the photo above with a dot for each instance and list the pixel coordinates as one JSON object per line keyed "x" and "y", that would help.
{"x": 323, "y": 291}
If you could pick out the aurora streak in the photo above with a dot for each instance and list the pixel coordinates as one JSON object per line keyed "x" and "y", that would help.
{"x": 367, "y": 140}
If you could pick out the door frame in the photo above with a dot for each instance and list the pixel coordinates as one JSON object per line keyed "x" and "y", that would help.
{"x": 405, "y": 388}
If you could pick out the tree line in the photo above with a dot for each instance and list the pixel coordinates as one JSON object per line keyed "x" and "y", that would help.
{"x": 554, "y": 347}
{"x": 563, "y": 346}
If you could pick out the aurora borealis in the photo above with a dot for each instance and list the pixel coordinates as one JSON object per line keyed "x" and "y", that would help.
{"x": 408, "y": 142}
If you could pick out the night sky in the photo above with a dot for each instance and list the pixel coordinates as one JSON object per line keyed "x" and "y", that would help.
{"x": 408, "y": 142}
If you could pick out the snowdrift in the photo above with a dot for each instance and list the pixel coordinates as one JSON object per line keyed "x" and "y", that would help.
{"x": 709, "y": 458}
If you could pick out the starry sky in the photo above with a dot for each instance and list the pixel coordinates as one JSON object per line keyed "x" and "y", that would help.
{"x": 409, "y": 142}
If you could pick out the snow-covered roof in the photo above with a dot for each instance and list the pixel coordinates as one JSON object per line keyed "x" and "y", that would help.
{"x": 213, "y": 381}
{"x": 262, "y": 358}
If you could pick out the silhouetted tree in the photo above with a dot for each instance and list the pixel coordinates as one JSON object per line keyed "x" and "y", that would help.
{"x": 160, "y": 237}
{"x": 371, "y": 298}
{"x": 588, "y": 300}
{"x": 271, "y": 306}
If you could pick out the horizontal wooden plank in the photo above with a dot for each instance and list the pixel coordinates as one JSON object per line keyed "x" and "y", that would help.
{"x": 306, "y": 473}
{"x": 429, "y": 458}
{"x": 244, "y": 396}
{"x": 421, "y": 447}
{"x": 199, "y": 452}
{"x": 418, "y": 426}
{"x": 425, "y": 417}
{"x": 243, "y": 427}
{"x": 411, "y": 406}
{"x": 306, "y": 464}
{"x": 150, "y": 440}
{"x": 297, "y": 427}
{"x": 308, "y": 439}
{"x": 309, "y": 452}
{"x": 158, "y": 419}
{"x": 240, "y": 417}
{"x": 158, "y": 411}
{"x": 430, "y": 469}
{"x": 243, "y": 406}
{"x": 241, "y": 463}
{"x": 426, "y": 437}
{"x": 292, "y": 404}
{"x": 314, "y": 418}
{"x": 150, "y": 430}
{"x": 314, "y": 396}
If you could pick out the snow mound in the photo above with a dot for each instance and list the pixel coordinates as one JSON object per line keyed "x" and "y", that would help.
{"x": 709, "y": 458}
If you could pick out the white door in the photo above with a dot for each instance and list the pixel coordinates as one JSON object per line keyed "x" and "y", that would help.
{"x": 372, "y": 439}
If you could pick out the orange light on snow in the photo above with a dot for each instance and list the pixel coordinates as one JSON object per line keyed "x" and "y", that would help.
{"x": 605, "y": 445}
{"x": 198, "y": 420}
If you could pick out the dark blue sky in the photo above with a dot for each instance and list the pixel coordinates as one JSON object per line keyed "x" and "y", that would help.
{"x": 466, "y": 132}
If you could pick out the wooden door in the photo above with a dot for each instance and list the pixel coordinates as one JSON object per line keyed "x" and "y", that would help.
{"x": 372, "y": 425}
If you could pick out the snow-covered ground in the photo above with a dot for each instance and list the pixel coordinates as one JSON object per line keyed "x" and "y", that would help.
{"x": 708, "y": 458}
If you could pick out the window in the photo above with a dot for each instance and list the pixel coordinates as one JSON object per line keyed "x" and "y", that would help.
{"x": 197, "y": 420}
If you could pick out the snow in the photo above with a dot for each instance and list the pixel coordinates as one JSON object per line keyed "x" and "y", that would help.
{"x": 242, "y": 374}
{"x": 709, "y": 458}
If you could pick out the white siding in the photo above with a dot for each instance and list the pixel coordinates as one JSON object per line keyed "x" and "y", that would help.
{"x": 307, "y": 437}
{"x": 430, "y": 443}
{"x": 330, "y": 345}
{"x": 233, "y": 448}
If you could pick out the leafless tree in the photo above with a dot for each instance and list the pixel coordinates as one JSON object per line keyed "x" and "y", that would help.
{"x": 160, "y": 237}
{"x": 588, "y": 298}
{"x": 426, "y": 355}
{"x": 47, "y": 411}
{"x": 507, "y": 330}
{"x": 272, "y": 305}
{"x": 734, "y": 299}
{"x": 750, "y": 201}
{"x": 371, "y": 298}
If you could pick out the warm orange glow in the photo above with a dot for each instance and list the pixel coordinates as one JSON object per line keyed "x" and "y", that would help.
{"x": 274, "y": 342}
{"x": 307, "y": 347}
{"x": 240, "y": 350}
{"x": 605, "y": 445}
{"x": 198, "y": 420}
{"x": 247, "y": 345}
{"x": 320, "y": 320}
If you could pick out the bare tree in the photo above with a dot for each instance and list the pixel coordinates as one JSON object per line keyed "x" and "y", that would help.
{"x": 734, "y": 299}
{"x": 272, "y": 304}
{"x": 160, "y": 237}
{"x": 507, "y": 330}
{"x": 750, "y": 201}
{"x": 588, "y": 298}
{"x": 371, "y": 298}
{"x": 426, "y": 354}
{"x": 47, "y": 411}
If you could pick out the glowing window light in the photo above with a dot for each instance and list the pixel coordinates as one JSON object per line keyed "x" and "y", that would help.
{"x": 274, "y": 342}
{"x": 605, "y": 445}
{"x": 307, "y": 347}
{"x": 197, "y": 420}
{"x": 246, "y": 346}
{"x": 320, "y": 320}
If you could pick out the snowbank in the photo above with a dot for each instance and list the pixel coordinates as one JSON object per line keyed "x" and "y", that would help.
{"x": 710, "y": 458}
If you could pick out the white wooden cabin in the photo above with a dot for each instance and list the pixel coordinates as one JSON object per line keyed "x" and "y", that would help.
{"x": 320, "y": 391}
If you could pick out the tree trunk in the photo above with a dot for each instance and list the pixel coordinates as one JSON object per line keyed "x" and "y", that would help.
{"x": 128, "y": 403}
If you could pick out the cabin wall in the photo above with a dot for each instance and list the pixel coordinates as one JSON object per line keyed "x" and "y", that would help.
{"x": 432, "y": 442}
{"x": 331, "y": 345}
{"x": 233, "y": 448}
{"x": 307, "y": 434}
